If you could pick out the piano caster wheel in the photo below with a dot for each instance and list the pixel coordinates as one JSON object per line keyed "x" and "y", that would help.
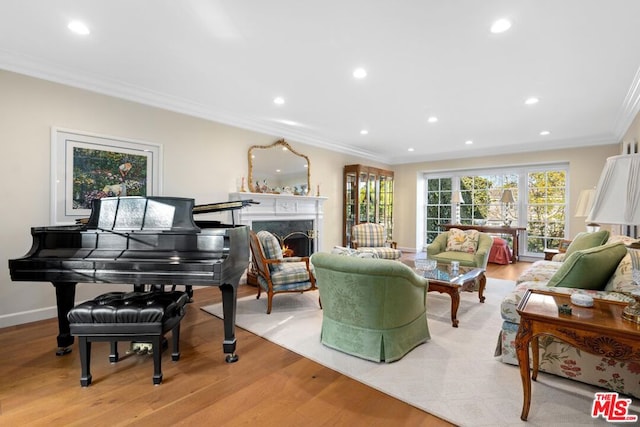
{"x": 61, "y": 351}
{"x": 231, "y": 358}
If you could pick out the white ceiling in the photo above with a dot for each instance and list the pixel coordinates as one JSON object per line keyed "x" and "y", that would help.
{"x": 226, "y": 60}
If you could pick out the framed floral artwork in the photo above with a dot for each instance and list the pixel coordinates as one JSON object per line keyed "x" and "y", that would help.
{"x": 87, "y": 166}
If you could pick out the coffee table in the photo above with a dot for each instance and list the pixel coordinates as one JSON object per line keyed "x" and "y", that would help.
{"x": 598, "y": 330}
{"x": 443, "y": 280}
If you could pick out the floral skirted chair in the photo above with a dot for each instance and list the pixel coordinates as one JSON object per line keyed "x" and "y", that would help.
{"x": 600, "y": 263}
{"x": 276, "y": 273}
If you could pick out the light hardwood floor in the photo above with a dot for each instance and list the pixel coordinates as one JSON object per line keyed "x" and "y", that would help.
{"x": 267, "y": 386}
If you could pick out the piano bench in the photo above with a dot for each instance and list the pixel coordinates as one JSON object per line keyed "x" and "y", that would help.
{"x": 128, "y": 316}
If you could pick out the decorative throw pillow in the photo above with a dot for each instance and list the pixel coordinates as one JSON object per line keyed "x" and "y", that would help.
{"x": 625, "y": 240}
{"x": 587, "y": 240}
{"x": 341, "y": 250}
{"x": 462, "y": 241}
{"x": 589, "y": 268}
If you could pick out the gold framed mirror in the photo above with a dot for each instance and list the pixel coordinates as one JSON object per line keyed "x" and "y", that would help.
{"x": 278, "y": 168}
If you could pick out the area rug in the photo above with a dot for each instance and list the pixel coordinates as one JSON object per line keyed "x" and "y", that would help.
{"x": 453, "y": 376}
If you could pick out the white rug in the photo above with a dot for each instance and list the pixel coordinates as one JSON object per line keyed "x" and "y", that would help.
{"x": 453, "y": 376}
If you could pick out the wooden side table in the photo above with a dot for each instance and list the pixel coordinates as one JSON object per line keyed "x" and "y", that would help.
{"x": 550, "y": 253}
{"x": 598, "y": 330}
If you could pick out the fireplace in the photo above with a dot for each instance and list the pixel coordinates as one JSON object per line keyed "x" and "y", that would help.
{"x": 295, "y": 220}
{"x": 295, "y": 236}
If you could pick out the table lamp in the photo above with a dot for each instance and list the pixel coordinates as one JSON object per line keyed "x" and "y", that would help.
{"x": 456, "y": 197}
{"x": 585, "y": 203}
{"x": 507, "y": 200}
{"x": 617, "y": 201}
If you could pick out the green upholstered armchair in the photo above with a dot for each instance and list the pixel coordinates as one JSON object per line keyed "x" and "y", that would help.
{"x": 371, "y": 308}
{"x": 438, "y": 250}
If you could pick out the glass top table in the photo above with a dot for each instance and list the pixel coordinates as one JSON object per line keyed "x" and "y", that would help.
{"x": 445, "y": 280}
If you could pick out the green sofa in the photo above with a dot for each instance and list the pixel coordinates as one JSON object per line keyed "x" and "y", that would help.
{"x": 438, "y": 250}
{"x": 371, "y": 308}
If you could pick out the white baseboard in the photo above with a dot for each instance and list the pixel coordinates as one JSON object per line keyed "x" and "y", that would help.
{"x": 22, "y": 317}
{"x": 408, "y": 250}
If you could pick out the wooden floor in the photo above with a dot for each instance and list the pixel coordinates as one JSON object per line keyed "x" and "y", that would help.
{"x": 267, "y": 386}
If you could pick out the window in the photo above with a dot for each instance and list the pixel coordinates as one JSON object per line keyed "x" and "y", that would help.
{"x": 546, "y": 211}
{"x": 438, "y": 207}
{"x": 482, "y": 195}
{"x": 539, "y": 202}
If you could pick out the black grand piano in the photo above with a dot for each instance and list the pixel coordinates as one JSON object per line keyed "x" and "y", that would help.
{"x": 140, "y": 241}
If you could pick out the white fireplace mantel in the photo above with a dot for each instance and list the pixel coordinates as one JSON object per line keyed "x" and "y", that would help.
{"x": 281, "y": 207}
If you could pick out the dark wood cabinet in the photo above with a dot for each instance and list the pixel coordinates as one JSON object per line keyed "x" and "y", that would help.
{"x": 368, "y": 197}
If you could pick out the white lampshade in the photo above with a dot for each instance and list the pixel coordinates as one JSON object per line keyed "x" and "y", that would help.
{"x": 617, "y": 196}
{"x": 507, "y": 197}
{"x": 585, "y": 202}
{"x": 456, "y": 197}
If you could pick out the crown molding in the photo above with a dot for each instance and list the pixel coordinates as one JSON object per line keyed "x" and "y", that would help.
{"x": 558, "y": 144}
{"x": 630, "y": 107}
{"x": 26, "y": 65}
{"x": 37, "y": 68}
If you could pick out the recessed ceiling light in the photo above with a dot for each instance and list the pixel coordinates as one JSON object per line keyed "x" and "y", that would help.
{"x": 78, "y": 28}
{"x": 359, "y": 73}
{"x": 545, "y": 133}
{"x": 468, "y": 142}
{"x": 500, "y": 26}
{"x": 364, "y": 132}
{"x": 289, "y": 123}
{"x": 432, "y": 119}
{"x": 410, "y": 149}
{"x": 532, "y": 100}
{"x": 278, "y": 100}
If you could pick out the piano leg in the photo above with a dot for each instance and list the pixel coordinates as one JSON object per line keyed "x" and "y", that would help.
{"x": 65, "y": 297}
{"x": 229, "y": 297}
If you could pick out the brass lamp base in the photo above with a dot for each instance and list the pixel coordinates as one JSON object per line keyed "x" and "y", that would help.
{"x": 632, "y": 311}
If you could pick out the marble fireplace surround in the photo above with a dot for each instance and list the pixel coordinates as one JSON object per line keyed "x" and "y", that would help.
{"x": 283, "y": 207}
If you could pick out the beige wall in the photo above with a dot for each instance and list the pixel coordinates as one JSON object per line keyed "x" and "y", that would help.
{"x": 202, "y": 159}
{"x": 585, "y": 165}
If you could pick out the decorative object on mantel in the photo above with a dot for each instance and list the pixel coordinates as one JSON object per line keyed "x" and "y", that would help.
{"x": 617, "y": 201}
{"x": 278, "y": 166}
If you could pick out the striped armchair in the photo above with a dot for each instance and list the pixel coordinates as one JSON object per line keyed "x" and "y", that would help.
{"x": 276, "y": 273}
{"x": 370, "y": 237}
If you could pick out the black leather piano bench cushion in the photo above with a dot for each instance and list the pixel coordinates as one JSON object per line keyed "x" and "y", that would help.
{"x": 128, "y": 316}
